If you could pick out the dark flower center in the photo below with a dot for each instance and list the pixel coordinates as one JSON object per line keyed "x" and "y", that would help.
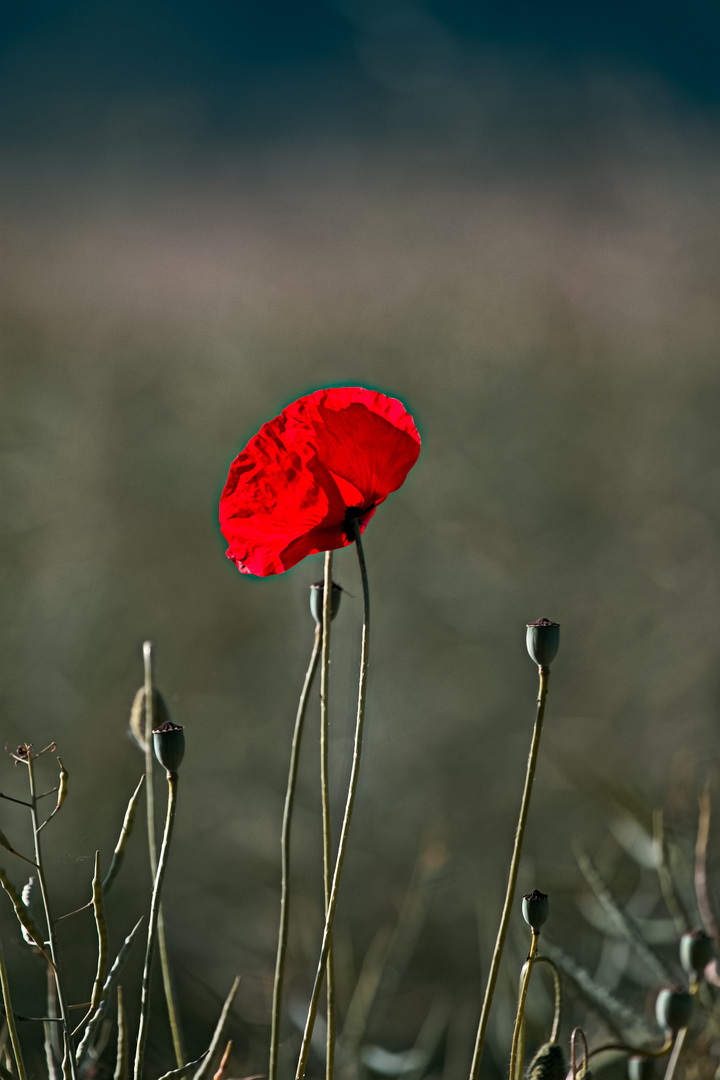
{"x": 359, "y": 514}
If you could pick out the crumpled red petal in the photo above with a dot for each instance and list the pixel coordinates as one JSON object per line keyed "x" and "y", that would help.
{"x": 289, "y": 491}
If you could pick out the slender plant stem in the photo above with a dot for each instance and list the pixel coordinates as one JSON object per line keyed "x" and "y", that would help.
{"x": 152, "y": 849}
{"x": 636, "y": 1050}
{"x": 557, "y": 987}
{"x": 172, "y": 779}
{"x": 285, "y": 858}
{"x": 544, "y": 675}
{"x": 676, "y": 1052}
{"x": 344, "y": 830}
{"x": 325, "y": 790}
{"x": 520, "y": 1017}
{"x": 69, "y": 1057}
{"x": 10, "y": 1018}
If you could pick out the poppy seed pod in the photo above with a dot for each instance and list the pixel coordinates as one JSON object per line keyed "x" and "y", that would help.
{"x": 317, "y": 591}
{"x": 548, "y": 1063}
{"x": 169, "y": 745}
{"x": 696, "y": 951}
{"x": 535, "y": 909}
{"x": 543, "y": 641}
{"x": 640, "y": 1068}
{"x": 673, "y": 1008}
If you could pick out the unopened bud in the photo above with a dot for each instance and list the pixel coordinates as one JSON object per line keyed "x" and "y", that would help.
{"x": 548, "y": 1063}
{"x": 169, "y": 745}
{"x": 535, "y": 909}
{"x": 543, "y": 641}
{"x": 673, "y": 1008}
{"x": 317, "y": 593}
{"x": 696, "y": 951}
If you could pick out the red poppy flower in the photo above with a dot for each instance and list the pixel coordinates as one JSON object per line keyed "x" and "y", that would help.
{"x": 328, "y": 458}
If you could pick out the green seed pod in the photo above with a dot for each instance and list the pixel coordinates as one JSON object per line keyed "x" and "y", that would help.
{"x": 169, "y": 745}
{"x": 535, "y": 909}
{"x": 673, "y": 1008}
{"x": 640, "y": 1068}
{"x": 543, "y": 641}
{"x": 548, "y": 1063}
{"x": 696, "y": 951}
{"x": 317, "y": 590}
{"x": 584, "y": 1074}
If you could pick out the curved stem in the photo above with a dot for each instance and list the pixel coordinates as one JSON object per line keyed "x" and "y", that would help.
{"x": 352, "y": 789}
{"x": 544, "y": 675}
{"x": 641, "y": 1050}
{"x": 520, "y": 1017}
{"x": 172, "y": 779}
{"x": 152, "y": 848}
{"x": 325, "y": 790}
{"x": 573, "y": 1051}
{"x": 285, "y": 859}
{"x": 69, "y": 1056}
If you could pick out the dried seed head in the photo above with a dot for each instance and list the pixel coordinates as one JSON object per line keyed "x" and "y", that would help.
{"x": 548, "y": 1063}
{"x": 535, "y": 909}
{"x": 543, "y": 641}
{"x": 640, "y": 1068}
{"x": 317, "y": 590}
{"x": 138, "y": 719}
{"x": 169, "y": 745}
{"x": 696, "y": 951}
{"x": 673, "y": 1008}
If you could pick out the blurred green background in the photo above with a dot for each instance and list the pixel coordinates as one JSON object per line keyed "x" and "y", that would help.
{"x": 508, "y": 218}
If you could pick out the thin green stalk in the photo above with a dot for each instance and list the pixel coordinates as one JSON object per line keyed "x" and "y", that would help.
{"x": 325, "y": 790}
{"x": 676, "y": 1052}
{"x": 152, "y": 848}
{"x": 636, "y": 1050}
{"x": 557, "y": 987}
{"x": 344, "y": 830}
{"x": 544, "y": 675}
{"x": 68, "y": 1057}
{"x": 10, "y": 1018}
{"x": 285, "y": 858}
{"x": 172, "y": 779}
{"x": 520, "y": 1017}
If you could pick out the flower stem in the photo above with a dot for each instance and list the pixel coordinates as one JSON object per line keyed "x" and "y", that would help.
{"x": 285, "y": 858}
{"x": 10, "y": 1018}
{"x": 172, "y": 779}
{"x": 152, "y": 848}
{"x": 69, "y": 1056}
{"x": 520, "y": 1017}
{"x": 352, "y": 790}
{"x": 325, "y": 790}
{"x": 676, "y": 1052}
{"x": 544, "y": 674}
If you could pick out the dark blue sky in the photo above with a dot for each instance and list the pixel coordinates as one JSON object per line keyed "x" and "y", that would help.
{"x": 249, "y": 63}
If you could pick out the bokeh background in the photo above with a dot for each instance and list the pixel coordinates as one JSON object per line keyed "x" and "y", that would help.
{"x": 506, "y": 215}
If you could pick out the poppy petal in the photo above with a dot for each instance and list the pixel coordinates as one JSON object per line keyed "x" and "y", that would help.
{"x": 288, "y": 492}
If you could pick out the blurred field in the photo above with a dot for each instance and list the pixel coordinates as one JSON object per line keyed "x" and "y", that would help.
{"x": 544, "y": 299}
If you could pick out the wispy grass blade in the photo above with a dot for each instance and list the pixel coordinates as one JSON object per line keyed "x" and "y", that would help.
{"x": 619, "y": 1017}
{"x": 110, "y": 982}
{"x": 177, "y": 1074}
{"x": 204, "y": 1070}
{"x": 621, "y": 920}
